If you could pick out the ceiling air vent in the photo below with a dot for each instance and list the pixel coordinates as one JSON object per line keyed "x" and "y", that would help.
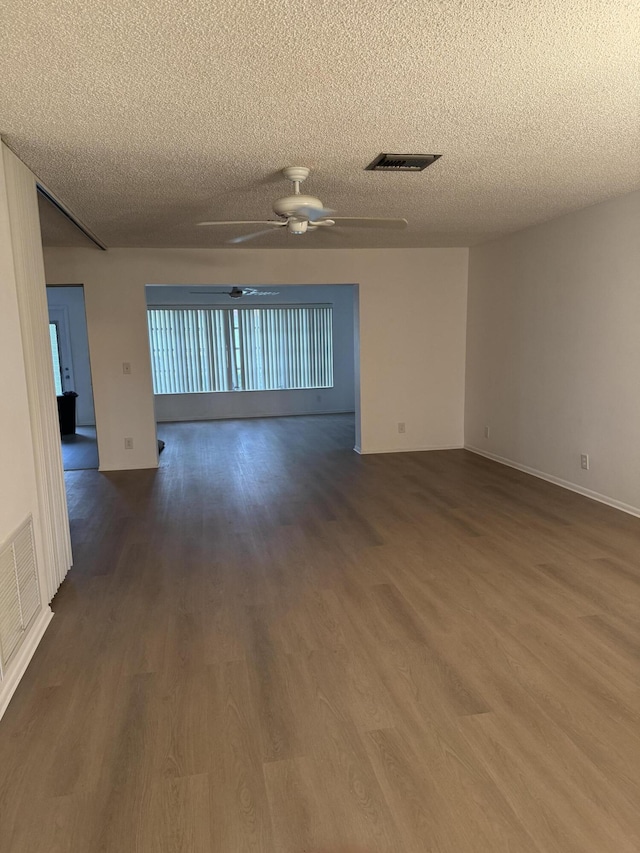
{"x": 402, "y": 162}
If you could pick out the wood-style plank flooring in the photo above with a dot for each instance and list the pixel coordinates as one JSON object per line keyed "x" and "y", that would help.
{"x": 273, "y": 644}
{"x": 80, "y": 450}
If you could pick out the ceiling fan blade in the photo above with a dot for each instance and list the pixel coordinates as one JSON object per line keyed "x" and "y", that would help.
{"x": 370, "y": 222}
{"x": 312, "y": 213}
{"x": 244, "y": 237}
{"x": 243, "y": 222}
{"x": 321, "y": 223}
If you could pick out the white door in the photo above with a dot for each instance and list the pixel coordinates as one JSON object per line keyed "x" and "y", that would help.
{"x": 60, "y": 338}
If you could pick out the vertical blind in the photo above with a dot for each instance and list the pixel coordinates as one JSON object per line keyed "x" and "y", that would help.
{"x": 197, "y": 350}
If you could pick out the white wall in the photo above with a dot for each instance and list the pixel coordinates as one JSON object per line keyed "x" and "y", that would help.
{"x": 72, "y": 298}
{"x": 20, "y": 495}
{"x": 29, "y": 277}
{"x": 412, "y": 311}
{"x": 553, "y": 349}
{"x": 239, "y": 404}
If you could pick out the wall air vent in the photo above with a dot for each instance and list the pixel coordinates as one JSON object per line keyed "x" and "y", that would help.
{"x": 19, "y": 591}
{"x": 402, "y": 162}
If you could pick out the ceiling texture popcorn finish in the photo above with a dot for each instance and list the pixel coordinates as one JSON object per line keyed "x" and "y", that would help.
{"x": 146, "y": 117}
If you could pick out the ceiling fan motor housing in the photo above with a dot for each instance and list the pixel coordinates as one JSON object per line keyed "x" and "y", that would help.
{"x": 290, "y": 204}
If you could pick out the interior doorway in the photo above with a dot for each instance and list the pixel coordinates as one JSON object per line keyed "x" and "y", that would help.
{"x": 72, "y": 376}
{"x": 224, "y": 352}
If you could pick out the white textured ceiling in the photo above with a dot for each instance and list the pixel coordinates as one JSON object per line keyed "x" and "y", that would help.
{"x": 146, "y": 116}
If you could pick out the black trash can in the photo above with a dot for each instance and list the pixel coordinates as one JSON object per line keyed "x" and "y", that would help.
{"x": 67, "y": 412}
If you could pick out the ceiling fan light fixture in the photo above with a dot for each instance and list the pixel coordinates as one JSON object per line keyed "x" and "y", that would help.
{"x": 297, "y": 226}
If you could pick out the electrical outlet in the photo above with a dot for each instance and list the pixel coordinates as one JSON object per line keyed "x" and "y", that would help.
{"x": 584, "y": 461}
{"x": 402, "y": 428}
{"x": 126, "y": 368}
{"x": 128, "y": 444}
{"x": 318, "y": 398}
{"x": 486, "y": 432}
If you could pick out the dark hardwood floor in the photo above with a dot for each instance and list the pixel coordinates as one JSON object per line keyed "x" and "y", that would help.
{"x": 274, "y": 644}
{"x": 80, "y": 450}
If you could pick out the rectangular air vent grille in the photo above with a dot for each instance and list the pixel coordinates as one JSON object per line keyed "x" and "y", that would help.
{"x": 402, "y": 162}
{"x": 19, "y": 590}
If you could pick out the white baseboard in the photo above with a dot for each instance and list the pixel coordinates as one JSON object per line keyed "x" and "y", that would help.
{"x": 19, "y": 664}
{"x": 107, "y": 469}
{"x": 421, "y": 449}
{"x": 557, "y": 481}
{"x": 253, "y": 415}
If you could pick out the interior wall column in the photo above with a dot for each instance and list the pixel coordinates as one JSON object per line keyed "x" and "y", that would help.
{"x": 34, "y": 322}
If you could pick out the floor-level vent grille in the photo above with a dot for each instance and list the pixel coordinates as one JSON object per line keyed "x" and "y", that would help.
{"x": 19, "y": 590}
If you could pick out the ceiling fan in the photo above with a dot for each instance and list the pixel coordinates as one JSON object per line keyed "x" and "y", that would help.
{"x": 300, "y": 213}
{"x": 238, "y": 292}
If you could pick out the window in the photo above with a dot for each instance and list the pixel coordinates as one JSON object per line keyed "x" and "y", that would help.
{"x": 55, "y": 356}
{"x": 195, "y": 350}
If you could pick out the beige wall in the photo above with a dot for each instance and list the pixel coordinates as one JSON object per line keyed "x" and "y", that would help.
{"x": 28, "y": 464}
{"x": 51, "y": 522}
{"x": 18, "y": 497}
{"x": 412, "y": 309}
{"x": 553, "y": 349}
